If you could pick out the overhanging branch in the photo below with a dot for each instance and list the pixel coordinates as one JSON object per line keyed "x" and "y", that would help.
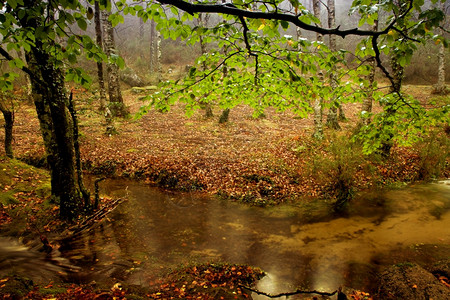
{"x": 234, "y": 11}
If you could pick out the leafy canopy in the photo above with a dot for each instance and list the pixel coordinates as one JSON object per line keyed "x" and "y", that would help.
{"x": 253, "y": 59}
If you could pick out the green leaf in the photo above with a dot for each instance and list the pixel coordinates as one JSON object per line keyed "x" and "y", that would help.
{"x": 81, "y": 22}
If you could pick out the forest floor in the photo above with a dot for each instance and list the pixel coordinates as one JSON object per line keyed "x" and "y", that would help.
{"x": 261, "y": 161}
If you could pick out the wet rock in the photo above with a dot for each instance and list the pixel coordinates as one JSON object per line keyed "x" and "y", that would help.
{"x": 409, "y": 281}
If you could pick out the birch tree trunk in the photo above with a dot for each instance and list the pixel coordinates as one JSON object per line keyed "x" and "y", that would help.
{"x": 441, "y": 69}
{"x": 152, "y": 46}
{"x": 332, "y": 120}
{"x": 318, "y": 127}
{"x": 141, "y": 37}
{"x": 116, "y": 105}
{"x": 440, "y": 87}
{"x": 158, "y": 56}
{"x": 100, "y": 77}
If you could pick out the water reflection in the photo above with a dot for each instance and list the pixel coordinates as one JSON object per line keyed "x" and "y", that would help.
{"x": 155, "y": 231}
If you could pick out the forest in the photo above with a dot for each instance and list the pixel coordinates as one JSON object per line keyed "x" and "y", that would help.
{"x": 233, "y": 149}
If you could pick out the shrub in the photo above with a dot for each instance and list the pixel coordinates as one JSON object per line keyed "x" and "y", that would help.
{"x": 433, "y": 156}
{"x": 336, "y": 170}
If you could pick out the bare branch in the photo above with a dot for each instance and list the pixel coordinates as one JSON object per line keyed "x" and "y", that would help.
{"x": 288, "y": 293}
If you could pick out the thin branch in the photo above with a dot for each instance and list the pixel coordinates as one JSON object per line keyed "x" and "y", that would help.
{"x": 23, "y": 68}
{"x": 249, "y": 48}
{"x": 205, "y": 76}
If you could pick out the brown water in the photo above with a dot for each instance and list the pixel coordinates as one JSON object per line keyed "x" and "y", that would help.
{"x": 300, "y": 246}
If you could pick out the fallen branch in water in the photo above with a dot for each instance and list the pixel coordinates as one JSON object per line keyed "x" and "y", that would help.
{"x": 92, "y": 220}
{"x": 288, "y": 293}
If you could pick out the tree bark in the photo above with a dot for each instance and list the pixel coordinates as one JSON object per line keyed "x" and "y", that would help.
{"x": 318, "y": 127}
{"x": 50, "y": 99}
{"x": 100, "y": 77}
{"x": 158, "y": 56}
{"x": 440, "y": 87}
{"x": 225, "y": 116}
{"x": 85, "y": 193}
{"x": 8, "y": 115}
{"x": 116, "y": 104}
{"x": 152, "y": 46}
{"x": 332, "y": 120}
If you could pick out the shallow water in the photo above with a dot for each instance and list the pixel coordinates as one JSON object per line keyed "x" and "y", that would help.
{"x": 154, "y": 231}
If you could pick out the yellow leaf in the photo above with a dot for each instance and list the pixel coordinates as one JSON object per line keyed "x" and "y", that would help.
{"x": 261, "y": 26}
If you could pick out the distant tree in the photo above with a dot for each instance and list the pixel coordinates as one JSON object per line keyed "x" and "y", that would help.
{"x": 152, "y": 46}
{"x": 116, "y": 104}
{"x": 100, "y": 77}
{"x": 332, "y": 120}
{"x": 318, "y": 126}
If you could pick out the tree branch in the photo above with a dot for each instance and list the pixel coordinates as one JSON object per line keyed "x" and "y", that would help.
{"x": 9, "y": 57}
{"x": 288, "y": 293}
{"x": 234, "y": 11}
{"x": 206, "y": 75}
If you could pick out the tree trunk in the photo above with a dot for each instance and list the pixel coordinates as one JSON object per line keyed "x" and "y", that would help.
{"x": 225, "y": 116}
{"x": 50, "y": 99}
{"x": 440, "y": 87}
{"x": 116, "y": 105}
{"x": 158, "y": 56}
{"x": 141, "y": 37}
{"x": 152, "y": 46}
{"x": 367, "y": 102}
{"x": 8, "y": 115}
{"x": 318, "y": 128}
{"x": 98, "y": 35}
{"x": 332, "y": 120}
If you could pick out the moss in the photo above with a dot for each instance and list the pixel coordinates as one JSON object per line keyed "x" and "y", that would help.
{"x": 44, "y": 190}
{"x": 15, "y": 287}
{"x": 7, "y": 198}
{"x": 52, "y": 291}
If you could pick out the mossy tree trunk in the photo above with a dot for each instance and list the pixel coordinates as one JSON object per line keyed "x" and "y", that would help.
{"x": 51, "y": 101}
{"x": 8, "y": 115}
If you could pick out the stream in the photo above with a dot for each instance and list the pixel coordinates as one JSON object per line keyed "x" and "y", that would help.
{"x": 297, "y": 246}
